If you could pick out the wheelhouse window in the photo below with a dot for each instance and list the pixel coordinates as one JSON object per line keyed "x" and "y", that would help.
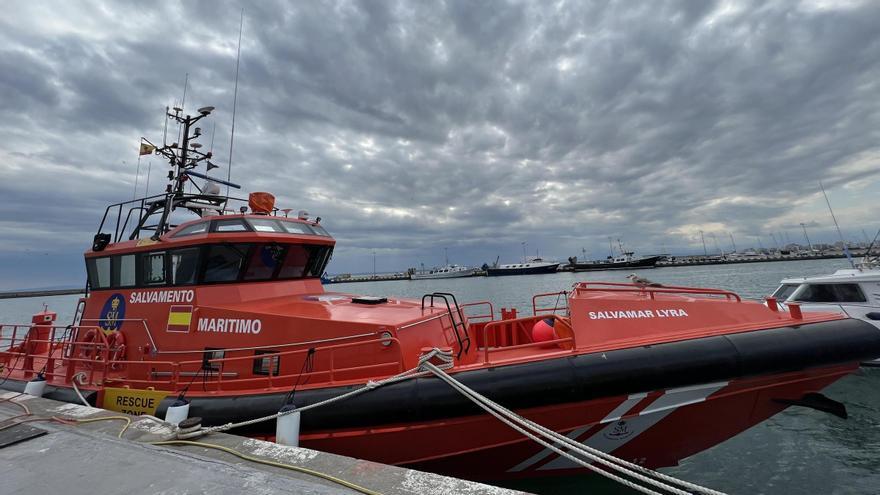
{"x": 153, "y": 268}
{"x": 849, "y": 293}
{"x": 784, "y": 291}
{"x": 224, "y": 262}
{"x": 263, "y": 261}
{"x": 295, "y": 262}
{"x": 231, "y": 225}
{"x": 320, "y": 230}
{"x": 837, "y": 293}
{"x": 99, "y": 272}
{"x": 197, "y": 228}
{"x": 184, "y": 266}
{"x": 297, "y": 228}
{"x": 265, "y": 225}
{"x": 124, "y": 270}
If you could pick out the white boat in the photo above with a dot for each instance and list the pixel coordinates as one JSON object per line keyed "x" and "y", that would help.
{"x": 854, "y": 292}
{"x": 530, "y": 266}
{"x": 448, "y": 271}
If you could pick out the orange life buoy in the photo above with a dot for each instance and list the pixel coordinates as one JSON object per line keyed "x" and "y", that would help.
{"x": 88, "y": 344}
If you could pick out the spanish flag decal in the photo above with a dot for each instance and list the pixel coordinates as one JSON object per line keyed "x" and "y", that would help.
{"x": 179, "y": 318}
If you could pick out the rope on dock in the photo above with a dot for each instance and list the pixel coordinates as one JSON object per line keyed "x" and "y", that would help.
{"x": 80, "y": 376}
{"x": 258, "y": 460}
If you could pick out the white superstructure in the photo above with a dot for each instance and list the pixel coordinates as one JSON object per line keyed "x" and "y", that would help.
{"x": 853, "y": 292}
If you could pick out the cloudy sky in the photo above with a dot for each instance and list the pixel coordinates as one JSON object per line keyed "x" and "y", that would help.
{"x": 411, "y": 127}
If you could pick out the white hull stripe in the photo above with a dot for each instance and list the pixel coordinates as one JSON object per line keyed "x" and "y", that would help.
{"x": 677, "y": 397}
{"x": 614, "y": 415}
{"x": 619, "y": 432}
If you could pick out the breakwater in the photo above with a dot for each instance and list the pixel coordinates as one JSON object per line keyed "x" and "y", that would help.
{"x": 40, "y": 293}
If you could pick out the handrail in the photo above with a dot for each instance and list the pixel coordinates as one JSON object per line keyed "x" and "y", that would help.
{"x": 666, "y": 289}
{"x": 218, "y": 364}
{"x": 536, "y": 310}
{"x": 490, "y": 315}
{"x": 14, "y": 339}
{"x": 419, "y": 322}
{"x": 100, "y": 364}
{"x": 519, "y": 322}
{"x": 146, "y": 205}
{"x": 156, "y": 350}
{"x": 143, "y": 322}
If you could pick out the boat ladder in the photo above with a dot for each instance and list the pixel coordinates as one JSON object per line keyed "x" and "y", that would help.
{"x": 464, "y": 343}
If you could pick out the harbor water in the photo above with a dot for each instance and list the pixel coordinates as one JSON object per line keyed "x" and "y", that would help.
{"x": 797, "y": 451}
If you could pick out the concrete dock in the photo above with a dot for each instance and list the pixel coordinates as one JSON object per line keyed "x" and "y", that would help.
{"x": 88, "y": 459}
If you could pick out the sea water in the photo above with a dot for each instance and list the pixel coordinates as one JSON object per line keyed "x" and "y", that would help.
{"x": 797, "y": 451}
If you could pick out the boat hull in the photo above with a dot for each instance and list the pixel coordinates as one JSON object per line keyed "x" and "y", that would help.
{"x": 656, "y": 404}
{"x": 655, "y": 429}
{"x": 531, "y": 270}
{"x": 649, "y": 262}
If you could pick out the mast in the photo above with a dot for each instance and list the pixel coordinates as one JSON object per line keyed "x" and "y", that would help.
{"x": 839, "y": 233}
{"x": 234, "y": 100}
{"x": 810, "y": 244}
{"x": 183, "y": 158}
{"x": 181, "y": 163}
{"x": 715, "y": 240}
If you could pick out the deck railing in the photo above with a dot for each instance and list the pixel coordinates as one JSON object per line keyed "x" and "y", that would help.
{"x": 487, "y": 316}
{"x": 559, "y": 304}
{"x": 507, "y": 335}
{"x": 60, "y": 355}
{"x": 582, "y": 287}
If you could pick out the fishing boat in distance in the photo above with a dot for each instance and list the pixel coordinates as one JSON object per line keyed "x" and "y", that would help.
{"x": 530, "y": 266}
{"x": 448, "y": 271}
{"x": 624, "y": 261}
{"x": 226, "y": 313}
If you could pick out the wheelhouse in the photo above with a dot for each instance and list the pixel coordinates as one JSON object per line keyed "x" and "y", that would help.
{"x": 223, "y": 249}
{"x": 844, "y": 287}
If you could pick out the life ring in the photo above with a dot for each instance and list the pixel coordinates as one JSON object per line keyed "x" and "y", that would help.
{"x": 88, "y": 345}
{"x": 116, "y": 344}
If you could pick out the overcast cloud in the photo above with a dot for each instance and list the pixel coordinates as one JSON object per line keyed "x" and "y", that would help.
{"x": 475, "y": 126}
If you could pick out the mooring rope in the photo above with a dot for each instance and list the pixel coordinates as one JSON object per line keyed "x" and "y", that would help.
{"x": 370, "y": 385}
{"x": 528, "y": 428}
{"x": 521, "y": 425}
